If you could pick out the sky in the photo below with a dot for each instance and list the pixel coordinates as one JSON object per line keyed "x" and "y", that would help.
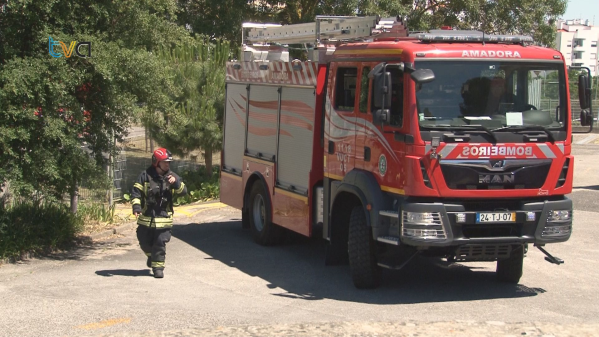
{"x": 583, "y": 9}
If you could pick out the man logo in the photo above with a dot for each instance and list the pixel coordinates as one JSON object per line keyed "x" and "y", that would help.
{"x": 68, "y": 52}
{"x": 503, "y": 179}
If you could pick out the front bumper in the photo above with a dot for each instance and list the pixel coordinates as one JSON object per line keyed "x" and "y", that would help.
{"x": 445, "y": 230}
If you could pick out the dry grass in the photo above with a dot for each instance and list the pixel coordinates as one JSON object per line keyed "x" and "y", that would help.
{"x": 94, "y": 226}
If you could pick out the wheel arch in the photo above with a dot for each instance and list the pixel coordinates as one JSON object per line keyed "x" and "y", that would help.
{"x": 364, "y": 186}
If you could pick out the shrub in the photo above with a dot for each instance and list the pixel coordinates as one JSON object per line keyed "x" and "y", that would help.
{"x": 200, "y": 187}
{"x": 31, "y": 227}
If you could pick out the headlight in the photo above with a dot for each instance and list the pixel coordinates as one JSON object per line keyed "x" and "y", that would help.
{"x": 559, "y": 216}
{"x": 422, "y": 218}
{"x": 423, "y": 226}
{"x": 559, "y": 224}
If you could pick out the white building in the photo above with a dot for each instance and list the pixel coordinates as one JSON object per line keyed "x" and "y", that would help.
{"x": 577, "y": 41}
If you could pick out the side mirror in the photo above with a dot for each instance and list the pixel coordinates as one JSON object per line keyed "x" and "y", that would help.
{"x": 382, "y": 90}
{"x": 586, "y": 118}
{"x": 584, "y": 91}
{"x": 422, "y": 76}
{"x": 381, "y": 116}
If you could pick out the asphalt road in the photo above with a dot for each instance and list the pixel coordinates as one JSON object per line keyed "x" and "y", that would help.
{"x": 219, "y": 282}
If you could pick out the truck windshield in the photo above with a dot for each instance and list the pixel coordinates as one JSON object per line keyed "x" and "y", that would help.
{"x": 498, "y": 95}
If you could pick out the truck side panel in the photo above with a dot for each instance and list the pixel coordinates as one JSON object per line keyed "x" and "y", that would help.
{"x": 262, "y": 131}
{"x": 231, "y": 189}
{"x": 295, "y": 137}
{"x": 235, "y": 118}
{"x": 231, "y": 184}
{"x": 290, "y": 210}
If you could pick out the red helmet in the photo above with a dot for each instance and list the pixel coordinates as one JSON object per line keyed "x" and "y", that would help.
{"x": 161, "y": 154}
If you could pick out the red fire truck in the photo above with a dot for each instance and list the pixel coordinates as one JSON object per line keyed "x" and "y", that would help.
{"x": 451, "y": 144}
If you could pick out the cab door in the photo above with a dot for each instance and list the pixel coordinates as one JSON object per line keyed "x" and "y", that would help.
{"x": 387, "y": 140}
{"x": 340, "y": 143}
{"x": 363, "y": 117}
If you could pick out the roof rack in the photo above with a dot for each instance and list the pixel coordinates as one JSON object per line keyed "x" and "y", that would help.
{"x": 470, "y": 36}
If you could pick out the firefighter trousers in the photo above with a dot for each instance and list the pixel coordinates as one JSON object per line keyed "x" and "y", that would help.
{"x": 153, "y": 241}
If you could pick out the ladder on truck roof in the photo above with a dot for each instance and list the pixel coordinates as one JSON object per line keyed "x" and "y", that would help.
{"x": 326, "y": 30}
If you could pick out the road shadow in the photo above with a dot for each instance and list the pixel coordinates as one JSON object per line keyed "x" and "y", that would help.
{"x": 297, "y": 269}
{"x": 124, "y": 272}
{"x": 591, "y": 187}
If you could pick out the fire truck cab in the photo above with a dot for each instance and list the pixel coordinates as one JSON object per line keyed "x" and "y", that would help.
{"x": 451, "y": 144}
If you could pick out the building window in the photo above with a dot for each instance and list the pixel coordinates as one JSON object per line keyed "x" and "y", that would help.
{"x": 578, "y": 55}
{"x": 578, "y": 43}
{"x": 593, "y": 44}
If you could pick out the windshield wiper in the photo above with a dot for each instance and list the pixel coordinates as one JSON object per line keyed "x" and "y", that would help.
{"x": 528, "y": 128}
{"x": 466, "y": 128}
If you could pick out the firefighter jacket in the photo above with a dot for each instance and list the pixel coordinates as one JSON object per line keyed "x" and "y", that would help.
{"x": 152, "y": 196}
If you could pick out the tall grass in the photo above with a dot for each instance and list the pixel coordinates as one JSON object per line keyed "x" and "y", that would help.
{"x": 26, "y": 226}
{"x": 96, "y": 212}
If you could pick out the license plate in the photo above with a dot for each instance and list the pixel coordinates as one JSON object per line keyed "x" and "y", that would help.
{"x": 496, "y": 217}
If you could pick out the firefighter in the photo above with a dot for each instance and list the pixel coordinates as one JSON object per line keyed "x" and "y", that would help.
{"x": 152, "y": 200}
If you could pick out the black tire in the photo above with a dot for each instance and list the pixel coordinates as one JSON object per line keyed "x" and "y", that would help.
{"x": 362, "y": 252}
{"x": 510, "y": 269}
{"x": 245, "y": 218}
{"x": 264, "y": 231}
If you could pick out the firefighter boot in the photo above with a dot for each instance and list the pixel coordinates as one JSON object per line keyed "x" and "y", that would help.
{"x": 149, "y": 262}
{"x": 158, "y": 272}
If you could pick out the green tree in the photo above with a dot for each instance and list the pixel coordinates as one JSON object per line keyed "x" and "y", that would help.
{"x": 524, "y": 17}
{"x": 194, "y": 121}
{"x": 58, "y": 115}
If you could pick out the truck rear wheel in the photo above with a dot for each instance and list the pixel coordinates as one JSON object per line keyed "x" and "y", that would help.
{"x": 264, "y": 231}
{"x": 362, "y": 252}
{"x": 510, "y": 269}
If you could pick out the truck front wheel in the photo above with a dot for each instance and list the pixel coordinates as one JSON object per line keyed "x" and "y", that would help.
{"x": 264, "y": 231}
{"x": 510, "y": 269}
{"x": 362, "y": 252}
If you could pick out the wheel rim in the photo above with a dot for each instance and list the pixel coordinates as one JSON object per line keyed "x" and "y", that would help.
{"x": 259, "y": 212}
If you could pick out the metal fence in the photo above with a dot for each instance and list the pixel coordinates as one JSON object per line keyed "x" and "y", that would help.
{"x": 116, "y": 173}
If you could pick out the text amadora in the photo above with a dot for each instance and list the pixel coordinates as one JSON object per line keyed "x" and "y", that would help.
{"x": 497, "y": 151}
{"x": 491, "y": 53}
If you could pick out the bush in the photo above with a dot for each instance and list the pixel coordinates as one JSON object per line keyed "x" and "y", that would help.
{"x": 200, "y": 187}
{"x": 30, "y": 227}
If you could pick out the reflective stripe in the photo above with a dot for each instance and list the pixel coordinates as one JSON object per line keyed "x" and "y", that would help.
{"x": 180, "y": 190}
{"x": 157, "y": 264}
{"x": 139, "y": 187}
{"x": 157, "y": 222}
{"x": 155, "y": 225}
{"x": 136, "y": 201}
{"x": 146, "y": 188}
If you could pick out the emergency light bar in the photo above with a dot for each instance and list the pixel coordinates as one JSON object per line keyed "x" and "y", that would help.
{"x": 470, "y": 36}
